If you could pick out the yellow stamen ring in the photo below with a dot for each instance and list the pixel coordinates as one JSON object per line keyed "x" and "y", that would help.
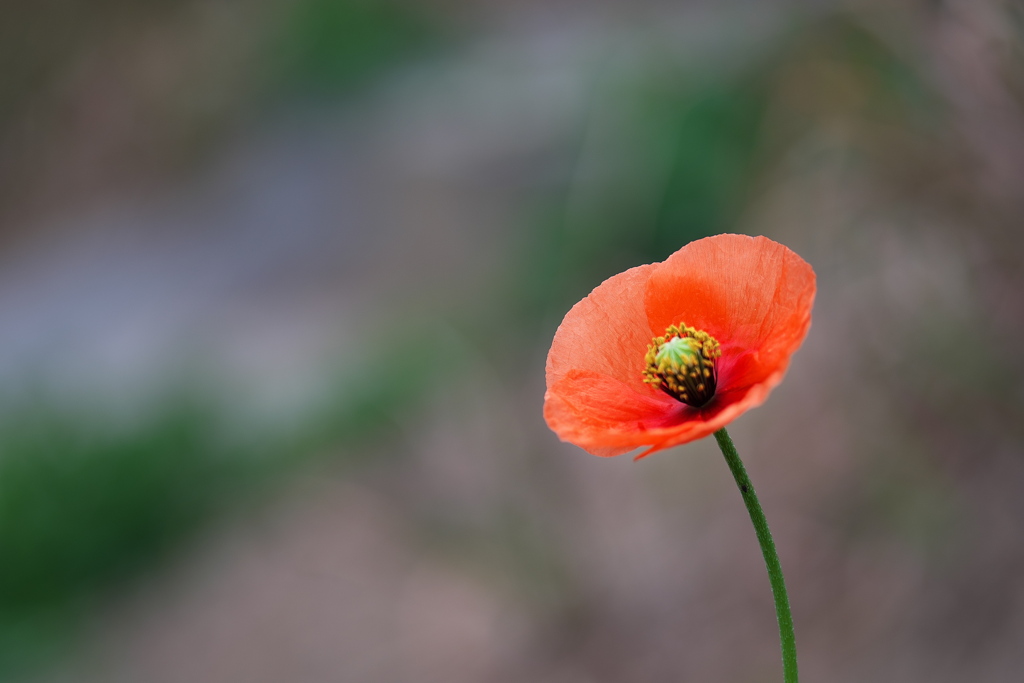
{"x": 682, "y": 364}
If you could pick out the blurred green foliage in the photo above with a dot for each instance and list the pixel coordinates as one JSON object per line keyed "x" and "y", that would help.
{"x": 333, "y": 46}
{"x": 84, "y": 506}
{"x": 81, "y": 505}
{"x": 715, "y": 129}
{"x": 688, "y": 145}
{"x": 678, "y": 168}
{"x": 87, "y": 505}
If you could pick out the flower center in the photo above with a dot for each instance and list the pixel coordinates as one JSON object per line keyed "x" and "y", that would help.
{"x": 682, "y": 364}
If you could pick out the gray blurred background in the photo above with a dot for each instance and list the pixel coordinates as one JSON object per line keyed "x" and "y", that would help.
{"x": 277, "y": 281}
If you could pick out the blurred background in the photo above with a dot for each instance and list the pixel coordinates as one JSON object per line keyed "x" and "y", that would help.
{"x": 277, "y": 282}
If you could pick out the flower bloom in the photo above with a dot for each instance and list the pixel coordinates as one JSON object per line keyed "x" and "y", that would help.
{"x": 670, "y": 352}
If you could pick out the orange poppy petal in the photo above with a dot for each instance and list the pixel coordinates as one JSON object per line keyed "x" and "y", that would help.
{"x": 607, "y": 332}
{"x": 752, "y": 294}
{"x": 605, "y": 415}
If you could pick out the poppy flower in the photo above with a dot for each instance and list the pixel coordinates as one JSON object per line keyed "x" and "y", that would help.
{"x": 670, "y": 352}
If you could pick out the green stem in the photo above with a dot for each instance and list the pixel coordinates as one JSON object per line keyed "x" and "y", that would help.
{"x": 771, "y": 557}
